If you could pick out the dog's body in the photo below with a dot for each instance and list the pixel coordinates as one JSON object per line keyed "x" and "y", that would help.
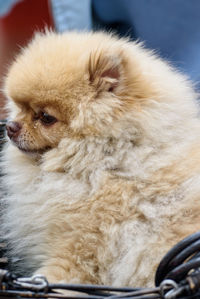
{"x": 113, "y": 182}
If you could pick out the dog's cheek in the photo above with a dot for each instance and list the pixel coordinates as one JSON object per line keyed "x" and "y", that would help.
{"x": 53, "y": 134}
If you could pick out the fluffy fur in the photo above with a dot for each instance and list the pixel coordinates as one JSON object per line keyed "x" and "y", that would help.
{"x": 101, "y": 194}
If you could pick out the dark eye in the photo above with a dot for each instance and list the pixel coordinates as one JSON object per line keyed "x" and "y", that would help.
{"x": 47, "y": 119}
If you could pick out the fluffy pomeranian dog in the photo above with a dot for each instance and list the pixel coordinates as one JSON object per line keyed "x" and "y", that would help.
{"x": 102, "y": 169}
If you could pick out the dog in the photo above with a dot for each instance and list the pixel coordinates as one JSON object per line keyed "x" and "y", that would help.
{"x": 102, "y": 164}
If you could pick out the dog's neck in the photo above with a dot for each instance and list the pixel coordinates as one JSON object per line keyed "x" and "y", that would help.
{"x": 124, "y": 156}
{"x": 85, "y": 159}
{"x": 77, "y": 157}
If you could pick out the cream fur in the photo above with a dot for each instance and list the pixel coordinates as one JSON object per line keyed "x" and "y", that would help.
{"x": 121, "y": 185}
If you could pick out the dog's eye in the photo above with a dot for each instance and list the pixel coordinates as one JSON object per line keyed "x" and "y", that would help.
{"x": 47, "y": 119}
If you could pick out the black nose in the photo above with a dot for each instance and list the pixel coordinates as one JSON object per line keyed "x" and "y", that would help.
{"x": 13, "y": 128}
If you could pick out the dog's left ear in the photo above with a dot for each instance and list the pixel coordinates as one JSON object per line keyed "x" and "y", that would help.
{"x": 105, "y": 71}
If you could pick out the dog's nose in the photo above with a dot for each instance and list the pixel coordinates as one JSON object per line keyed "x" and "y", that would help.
{"x": 13, "y": 129}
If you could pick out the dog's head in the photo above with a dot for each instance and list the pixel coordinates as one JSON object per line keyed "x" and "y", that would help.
{"x": 77, "y": 85}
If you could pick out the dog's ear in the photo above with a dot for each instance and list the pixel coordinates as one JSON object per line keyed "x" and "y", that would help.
{"x": 105, "y": 71}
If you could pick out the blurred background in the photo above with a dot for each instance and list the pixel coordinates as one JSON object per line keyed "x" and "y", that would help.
{"x": 170, "y": 27}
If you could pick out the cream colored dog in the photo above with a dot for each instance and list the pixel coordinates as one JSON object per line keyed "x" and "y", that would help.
{"x": 103, "y": 168}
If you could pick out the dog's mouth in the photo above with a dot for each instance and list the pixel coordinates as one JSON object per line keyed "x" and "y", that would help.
{"x": 29, "y": 151}
{"x": 33, "y": 151}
